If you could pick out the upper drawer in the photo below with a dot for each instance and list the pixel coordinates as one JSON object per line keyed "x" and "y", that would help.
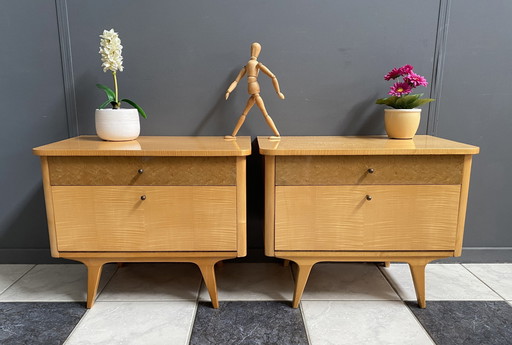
{"x": 148, "y": 171}
{"x": 340, "y": 170}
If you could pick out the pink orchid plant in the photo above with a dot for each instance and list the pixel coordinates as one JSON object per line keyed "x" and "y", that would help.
{"x": 400, "y": 91}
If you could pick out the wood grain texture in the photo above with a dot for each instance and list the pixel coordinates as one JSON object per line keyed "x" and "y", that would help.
{"x": 369, "y": 256}
{"x": 156, "y": 171}
{"x": 463, "y": 204}
{"x": 49, "y": 207}
{"x": 241, "y": 208}
{"x": 270, "y": 164}
{"x": 422, "y": 217}
{"x": 339, "y": 170}
{"x": 170, "y": 218}
{"x": 370, "y": 145}
{"x": 89, "y": 145}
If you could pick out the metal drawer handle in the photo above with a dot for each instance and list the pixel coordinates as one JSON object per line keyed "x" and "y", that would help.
{"x": 371, "y": 171}
{"x": 368, "y": 197}
{"x": 143, "y": 197}
{"x": 140, "y": 171}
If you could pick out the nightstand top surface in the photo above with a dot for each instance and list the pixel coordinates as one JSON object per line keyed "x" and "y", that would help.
{"x": 361, "y": 145}
{"x": 90, "y": 145}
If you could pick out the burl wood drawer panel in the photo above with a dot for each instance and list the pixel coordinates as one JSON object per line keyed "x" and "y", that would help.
{"x": 339, "y": 170}
{"x": 139, "y": 171}
{"x": 327, "y": 218}
{"x": 181, "y": 218}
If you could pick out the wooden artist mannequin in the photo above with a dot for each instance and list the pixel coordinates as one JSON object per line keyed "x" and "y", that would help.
{"x": 252, "y": 69}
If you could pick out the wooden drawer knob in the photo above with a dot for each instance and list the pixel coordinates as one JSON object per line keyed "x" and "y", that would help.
{"x": 143, "y": 197}
{"x": 368, "y": 197}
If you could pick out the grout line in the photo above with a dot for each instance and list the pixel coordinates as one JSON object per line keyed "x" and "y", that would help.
{"x": 17, "y": 280}
{"x": 419, "y": 322}
{"x": 389, "y": 282}
{"x": 477, "y": 277}
{"x": 78, "y": 324}
{"x": 308, "y": 337}
{"x": 192, "y": 323}
{"x": 194, "y": 314}
{"x": 106, "y": 283}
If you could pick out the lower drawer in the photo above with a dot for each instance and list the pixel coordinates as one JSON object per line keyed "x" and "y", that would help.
{"x": 170, "y": 218}
{"x": 411, "y": 217}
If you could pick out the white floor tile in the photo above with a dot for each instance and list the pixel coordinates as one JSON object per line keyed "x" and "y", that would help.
{"x": 252, "y": 282}
{"x": 54, "y": 283}
{"x": 155, "y": 323}
{"x": 443, "y": 282}
{"x": 497, "y": 276}
{"x": 10, "y": 273}
{"x": 362, "y": 322}
{"x": 347, "y": 281}
{"x": 153, "y": 282}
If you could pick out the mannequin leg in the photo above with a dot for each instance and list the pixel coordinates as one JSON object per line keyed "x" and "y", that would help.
{"x": 261, "y": 105}
{"x": 250, "y": 103}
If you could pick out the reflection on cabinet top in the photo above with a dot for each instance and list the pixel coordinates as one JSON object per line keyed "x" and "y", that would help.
{"x": 362, "y": 145}
{"x": 89, "y": 145}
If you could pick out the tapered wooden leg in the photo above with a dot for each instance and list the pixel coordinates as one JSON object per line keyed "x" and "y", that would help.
{"x": 386, "y": 264}
{"x": 301, "y": 278}
{"x": 208, "y": 271}
{"x": 93, "y": 280}
{"x": 418, "y": 277}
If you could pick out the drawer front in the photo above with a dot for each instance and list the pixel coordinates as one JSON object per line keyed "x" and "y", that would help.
{"x": 330, "y": 218}
{"x": 169, "y": 219}
{"x": 142, "y": 171}
{"x": 341, "y": 170}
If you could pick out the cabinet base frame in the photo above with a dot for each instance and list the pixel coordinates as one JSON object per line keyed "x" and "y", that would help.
{"x": 204, "y": 260}
{"x": 306, "y": 260}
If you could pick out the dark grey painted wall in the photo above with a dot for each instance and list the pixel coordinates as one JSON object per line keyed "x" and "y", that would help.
{"x": 476, "y": 107}
{"x": 180, "y": 56}
{"x": 33, "y": 112}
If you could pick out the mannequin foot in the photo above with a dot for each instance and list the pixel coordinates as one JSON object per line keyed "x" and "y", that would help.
{"x": 229, "y": 137}
{"x": 273, "y": 137}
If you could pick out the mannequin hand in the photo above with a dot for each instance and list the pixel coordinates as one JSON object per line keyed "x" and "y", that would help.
{"x": 281, "y": 95}
{"x": 227, "y": 95}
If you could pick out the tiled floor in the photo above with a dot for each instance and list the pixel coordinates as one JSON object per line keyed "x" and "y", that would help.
{"x": 343, "y": 303}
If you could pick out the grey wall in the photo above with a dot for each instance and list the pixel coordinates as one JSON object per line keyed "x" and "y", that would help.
{"x": 180, "y": 56}
{"x": 33, "y": 112}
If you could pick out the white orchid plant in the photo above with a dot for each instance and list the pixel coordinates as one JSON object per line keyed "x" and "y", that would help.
{"x": 112, "y": 60}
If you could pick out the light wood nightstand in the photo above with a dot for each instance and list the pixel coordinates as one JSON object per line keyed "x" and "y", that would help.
{"x": 154, "y": 199}
{"x": 365, "y": 199}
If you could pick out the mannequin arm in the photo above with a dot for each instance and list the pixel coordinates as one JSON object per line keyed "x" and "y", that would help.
{"x": 235, "y": 83}
{"x": 265, "y": 70}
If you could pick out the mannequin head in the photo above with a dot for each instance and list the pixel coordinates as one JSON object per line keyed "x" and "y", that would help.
{"x": 255, "y": 49}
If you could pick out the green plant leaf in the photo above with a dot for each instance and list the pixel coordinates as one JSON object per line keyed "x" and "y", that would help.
{"x": 133, "y": 104}
{"x": 107, "y": 102}
{"x": 401, "y": 102}
{"x": 111, "y": 95}
{"x": 390, "y": 101}
{"x": 421, "y": 102}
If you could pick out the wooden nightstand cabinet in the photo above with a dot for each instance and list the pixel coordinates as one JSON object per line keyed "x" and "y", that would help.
{"x": 365, "y": 199}
{"x": 155, "y": 199}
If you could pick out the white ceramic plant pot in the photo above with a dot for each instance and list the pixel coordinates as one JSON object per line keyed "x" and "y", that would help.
{"x": 117, "y": 124}
{"x": 402, "y": 123}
